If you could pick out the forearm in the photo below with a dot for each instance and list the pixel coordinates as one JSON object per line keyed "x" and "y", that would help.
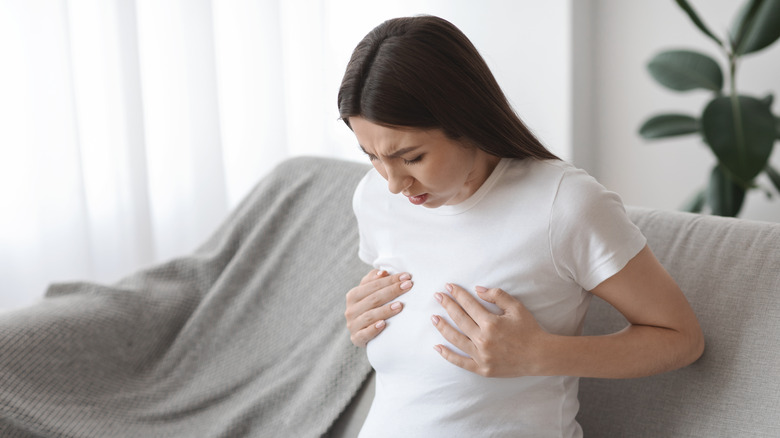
{"x": 636, "y": 351}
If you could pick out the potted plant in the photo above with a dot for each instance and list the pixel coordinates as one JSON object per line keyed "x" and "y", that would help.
{"x": 739, "y": 129}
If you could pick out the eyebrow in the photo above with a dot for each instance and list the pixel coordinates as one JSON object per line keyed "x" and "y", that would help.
{"x": 397, "y": 153}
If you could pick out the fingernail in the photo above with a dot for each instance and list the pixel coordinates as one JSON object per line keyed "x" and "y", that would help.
{"x": 406, "y": 285}
{"x": 438, "y": 297}
{"x": 448, "y": 287}
{"x": 437, "y": 348}
{"x": 435, "y": 320}
{"x": 380, "y": 273}
{"x": 481, "y": 289}
{"x": 405, "y": 276}
{"x": 380, "y": 324}
{"x": 395, "y": 306}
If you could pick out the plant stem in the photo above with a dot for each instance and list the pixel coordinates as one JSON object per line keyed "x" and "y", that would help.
{"x": 735, "y": 108}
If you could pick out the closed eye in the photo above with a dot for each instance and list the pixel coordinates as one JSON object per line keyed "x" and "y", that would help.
{"x": 414, "y": 160}
{"x": 371, "y": 157}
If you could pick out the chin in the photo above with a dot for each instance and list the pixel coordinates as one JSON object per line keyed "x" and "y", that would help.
{"x": 435, "y": 203}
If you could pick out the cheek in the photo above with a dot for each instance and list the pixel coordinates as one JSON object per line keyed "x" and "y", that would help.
{"x": 443, "y": 174}
{"x": 449, "y": 177}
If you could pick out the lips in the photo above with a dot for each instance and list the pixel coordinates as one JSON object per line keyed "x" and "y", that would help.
{"x": 419, "y": 199}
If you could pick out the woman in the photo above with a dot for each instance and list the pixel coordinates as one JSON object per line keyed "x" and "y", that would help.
{"x": 507, "y": 245}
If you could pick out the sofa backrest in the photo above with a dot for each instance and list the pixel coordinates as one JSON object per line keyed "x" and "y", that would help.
{"x": 729, "y": 269}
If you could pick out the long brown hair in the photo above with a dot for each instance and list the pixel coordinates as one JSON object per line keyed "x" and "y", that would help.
{"x": 423, "y": 72}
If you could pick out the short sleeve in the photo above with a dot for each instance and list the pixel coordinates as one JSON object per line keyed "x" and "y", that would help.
{"x": 366, "y": 249}
{"x": 591, "y": 236}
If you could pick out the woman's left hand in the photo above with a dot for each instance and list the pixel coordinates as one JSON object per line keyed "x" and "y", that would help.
{"x": 509, "y": 344}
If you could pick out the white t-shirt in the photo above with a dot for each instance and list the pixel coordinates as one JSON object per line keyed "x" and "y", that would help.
{"x": 544, "y": 232}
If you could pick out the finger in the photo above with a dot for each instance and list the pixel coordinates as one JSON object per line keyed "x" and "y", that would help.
{"x": 456, "y": 359}
{"x": 402, "y": 283}
{"x": 458, "y": 315}
{"x": 383, "y": 296}
{"x": 373, "y": 275}
{"x": 470, "y": 305}
{"x": 497, "y": 296}
{"x": 361, "y": 338}
{"x": 455, "y": 337}
{"x": 373, "y": 316}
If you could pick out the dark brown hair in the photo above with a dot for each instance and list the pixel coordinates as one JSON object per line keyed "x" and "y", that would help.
{"x": 423, "y": 72}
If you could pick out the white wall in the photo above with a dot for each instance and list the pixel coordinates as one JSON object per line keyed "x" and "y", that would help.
{"x": 662, "y": 174}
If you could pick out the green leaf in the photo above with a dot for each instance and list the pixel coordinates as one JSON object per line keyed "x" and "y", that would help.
{"x": 697, "y": 21}
{"x": 768, "y": 100}
{"x": 668, "y": 125}
{"x": 777, "y": 127}
{"x": 683, "y": 70}
{"x": 696, "y": 203}
{"x": 741, "y": 133}
{"x": 743, "y": 22}
{"x": 757, "y": 25}
{"x": 724, "y": 196}
{"x": 773, "y": 176}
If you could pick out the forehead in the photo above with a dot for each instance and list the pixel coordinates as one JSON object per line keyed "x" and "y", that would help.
{"x": 384, "y": 140}
{"x": 373, "y": 132}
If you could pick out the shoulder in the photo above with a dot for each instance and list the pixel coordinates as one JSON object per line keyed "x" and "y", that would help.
{"x": 565, "y": 175}
{"x": 539, "y": 180}
{"x": 580, "y": 196}
{"x": 576, "y": 191}
{"x": 567, "y": 190}
{"x": 591, "y": 236}
{"x": 533, "y": 174}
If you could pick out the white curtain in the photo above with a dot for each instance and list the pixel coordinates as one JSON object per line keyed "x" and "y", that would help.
{"x": 130, "y": 128}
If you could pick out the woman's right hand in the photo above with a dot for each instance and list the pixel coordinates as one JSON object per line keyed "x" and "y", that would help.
{"x": 368, "y": 304}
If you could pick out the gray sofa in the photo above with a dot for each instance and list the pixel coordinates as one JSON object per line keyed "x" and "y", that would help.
{"x": 246, "y": 337}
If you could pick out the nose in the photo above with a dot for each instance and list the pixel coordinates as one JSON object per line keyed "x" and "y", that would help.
{"x": 397, "y": 180}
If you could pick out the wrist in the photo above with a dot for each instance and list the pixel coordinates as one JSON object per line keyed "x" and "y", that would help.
{"x": 545, "y": 359}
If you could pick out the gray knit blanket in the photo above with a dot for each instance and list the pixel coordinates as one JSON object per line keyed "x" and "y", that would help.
{"x": 243, "y": 338}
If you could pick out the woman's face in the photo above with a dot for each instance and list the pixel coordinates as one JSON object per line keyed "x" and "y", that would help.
{"x": 424, "y": 165}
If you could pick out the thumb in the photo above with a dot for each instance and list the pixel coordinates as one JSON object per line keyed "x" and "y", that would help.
{"x": 498, "y": 297}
